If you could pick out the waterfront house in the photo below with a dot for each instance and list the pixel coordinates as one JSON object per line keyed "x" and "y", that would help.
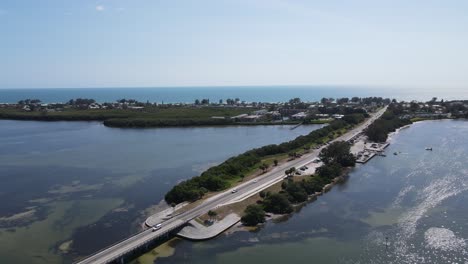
{"x": 299, "y": 116}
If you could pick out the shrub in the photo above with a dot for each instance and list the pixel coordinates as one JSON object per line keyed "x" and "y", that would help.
{"x": 278, "y": 204}
{"x": 253, "y": 215}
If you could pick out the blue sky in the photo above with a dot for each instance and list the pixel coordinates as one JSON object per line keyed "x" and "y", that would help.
{"x": 115, "y": 43}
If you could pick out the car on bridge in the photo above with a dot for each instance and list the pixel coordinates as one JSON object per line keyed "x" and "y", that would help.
{"x": 156, "y": 227}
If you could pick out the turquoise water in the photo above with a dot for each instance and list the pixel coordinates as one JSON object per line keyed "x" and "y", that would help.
{"x": 245, "y": 93}
{"x": 87, "y": 184}
{"x": 408, "y": 208}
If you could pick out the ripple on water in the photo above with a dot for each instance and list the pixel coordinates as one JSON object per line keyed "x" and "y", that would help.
{"x": 443, "y": 239}
{"x": 431, "y": 180}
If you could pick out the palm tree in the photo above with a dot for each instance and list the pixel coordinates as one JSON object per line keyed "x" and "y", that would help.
{"x": 212, "y": 215}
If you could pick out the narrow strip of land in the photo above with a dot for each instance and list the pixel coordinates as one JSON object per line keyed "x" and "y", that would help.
{"x": 246, "y": 189}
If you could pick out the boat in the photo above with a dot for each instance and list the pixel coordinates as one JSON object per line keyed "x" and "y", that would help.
{"x": 429, "y": 148}
{"x": 395, "y": 153}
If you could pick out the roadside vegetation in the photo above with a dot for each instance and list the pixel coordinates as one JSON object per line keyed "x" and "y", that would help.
{"x": 336, "y": 157}
{"x": 220, "y": 177}
{"x": 391, "y": 120}
{"x": 254, "y": 215}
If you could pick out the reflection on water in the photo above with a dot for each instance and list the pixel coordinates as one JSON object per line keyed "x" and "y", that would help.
{"x": 78, "y": 186}
{"x": 409, "y": 208}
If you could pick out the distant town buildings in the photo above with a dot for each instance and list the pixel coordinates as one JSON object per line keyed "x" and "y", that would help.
{"x": 294, "y": 109}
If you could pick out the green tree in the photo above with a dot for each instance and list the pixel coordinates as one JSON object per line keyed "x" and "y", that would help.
{"x": 338, "y": 152}
{"x": 292, "y": 170}
{"x": 212, "y": 215}
{"x": 278, "y": 204}
{"x": 253, "y": 215}
{"x": 347, "y": 160}
{"x": 329, "y": 171}
{"x": 275, "y": 162}
{"x": 296, "y": 192}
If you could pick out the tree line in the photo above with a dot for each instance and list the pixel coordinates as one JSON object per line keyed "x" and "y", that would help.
{"x": 336, "y": 157}
{"x": 218, "y": 178}
{"x": 152, "y": 122}
{"x": 378, "y": 131}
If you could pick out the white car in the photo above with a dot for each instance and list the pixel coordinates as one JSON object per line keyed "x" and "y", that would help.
{"x": 234, "y": 191}
{"x": 255, "y": 180}
{"x": 156, "y": 227}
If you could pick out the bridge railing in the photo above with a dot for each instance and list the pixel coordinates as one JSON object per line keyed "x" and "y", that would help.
{"x": 139, "y": 245}
{"x": 125, "y": 239}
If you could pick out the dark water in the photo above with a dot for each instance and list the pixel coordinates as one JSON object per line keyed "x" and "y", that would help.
{"x": 244, "y": 93}
{"x": 89, "y": 184}
{"x": 405, "y": 208}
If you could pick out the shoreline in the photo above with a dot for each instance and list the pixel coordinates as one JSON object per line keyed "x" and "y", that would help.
{"x": 312, "y": 198}
{"x": 251, "y": 199}
{"x": 191, "y": 123}
{"x": 395, "y": 126}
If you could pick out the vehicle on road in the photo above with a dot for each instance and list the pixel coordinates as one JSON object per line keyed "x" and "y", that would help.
{"x": 255, "y": 180}
{"x": 156, "y": 227}
{"x": 234, "y": 191}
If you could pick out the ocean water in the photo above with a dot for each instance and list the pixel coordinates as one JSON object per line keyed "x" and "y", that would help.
{"x": 244, "y": 93}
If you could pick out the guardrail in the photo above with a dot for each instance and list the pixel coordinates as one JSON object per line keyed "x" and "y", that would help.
{"x": 133, "y": 248}
{"x": 144, "y": 242}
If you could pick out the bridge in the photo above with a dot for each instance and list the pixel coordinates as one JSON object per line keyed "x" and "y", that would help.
{"x": 121, "y": 251}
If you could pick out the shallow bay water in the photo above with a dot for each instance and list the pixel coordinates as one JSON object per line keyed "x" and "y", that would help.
{"x": 404, "y": 208}
{"x": 71, "y": 188}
